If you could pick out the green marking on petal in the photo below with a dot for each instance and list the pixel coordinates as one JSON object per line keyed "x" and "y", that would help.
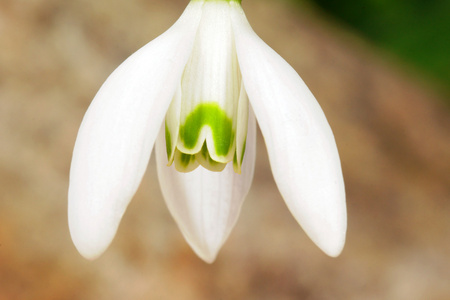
{"x": 237, "y": 164}
{"x": 185, "y": 162}
{"x": 212, "y": 115}
{"x": 168, "y": 142}
{"x": 243, "y": 151}
{"x": 186, "y": 159}
{"x": 207, "y": 162}
{"x": 204, "y": 151}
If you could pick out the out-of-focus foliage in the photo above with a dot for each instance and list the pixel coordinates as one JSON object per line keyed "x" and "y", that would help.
{"x": 417, "y": 31}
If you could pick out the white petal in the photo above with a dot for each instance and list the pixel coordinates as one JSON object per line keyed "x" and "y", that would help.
{"x": 118, "y": 132}
{"x": 300, "y": 144}
{"x": 206, "y": 204}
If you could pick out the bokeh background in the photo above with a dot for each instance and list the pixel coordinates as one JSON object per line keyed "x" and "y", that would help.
{"x": 388, "y": 109}
{"x": 414, "y": 32}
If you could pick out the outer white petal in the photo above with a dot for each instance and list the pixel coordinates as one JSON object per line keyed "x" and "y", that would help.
{"x": 118, "y": 132}
{"x": 206, "y": 204}
{"x": 300, "y": 144}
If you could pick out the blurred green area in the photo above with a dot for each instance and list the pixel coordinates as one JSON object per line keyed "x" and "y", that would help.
{"x": 415, "y": 31}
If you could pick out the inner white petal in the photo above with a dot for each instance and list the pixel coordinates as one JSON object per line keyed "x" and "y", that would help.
{"x": 241, "y": 129}
{"x": 211, "y": 77}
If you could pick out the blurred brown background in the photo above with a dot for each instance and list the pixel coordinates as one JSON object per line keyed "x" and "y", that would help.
{"x": 392, "y": 131}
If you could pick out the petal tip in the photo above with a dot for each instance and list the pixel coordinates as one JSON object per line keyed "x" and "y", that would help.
{"x": 334, "y": 246}
{"x": 89, "y": 254}
{"x": 90, "y": 244}
{"x": 331, "y": 240}
{"x": 207, "y": 257}
{"x": 91, "y": 238}
{"x": 207, "y": 252}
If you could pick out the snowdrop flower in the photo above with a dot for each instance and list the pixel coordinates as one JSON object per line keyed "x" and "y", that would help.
{"x": 193, "y": 93}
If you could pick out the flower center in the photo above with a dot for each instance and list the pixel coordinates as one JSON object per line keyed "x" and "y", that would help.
{"x": 213, "y": 116}
{"x": 206, "y": 123}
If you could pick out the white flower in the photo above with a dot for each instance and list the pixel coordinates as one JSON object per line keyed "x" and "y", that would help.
{"x": 186, "y": 93}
